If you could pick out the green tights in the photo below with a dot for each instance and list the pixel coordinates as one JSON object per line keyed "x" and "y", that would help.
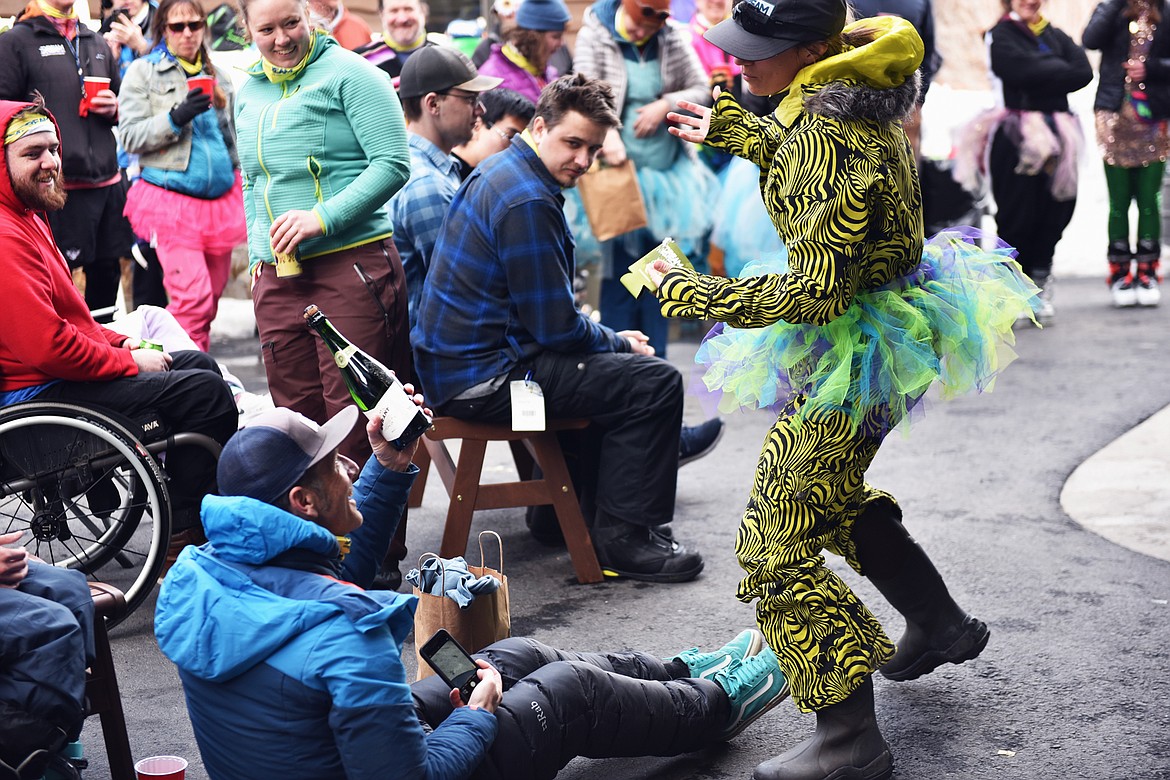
{"x": 1144, "y": 185}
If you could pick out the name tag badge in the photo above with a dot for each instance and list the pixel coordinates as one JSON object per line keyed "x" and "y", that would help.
{"x": 527, "y": 405}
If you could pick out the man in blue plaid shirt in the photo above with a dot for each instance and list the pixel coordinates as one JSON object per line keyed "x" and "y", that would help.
{"x": 498, "y": 308}
{"x": 439, "y": 89}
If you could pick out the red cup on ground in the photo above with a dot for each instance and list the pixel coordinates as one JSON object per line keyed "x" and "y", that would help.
{"x": 206, "y": 82}
{"x": 161, "y": 768}
{"x": 93, "y": 85}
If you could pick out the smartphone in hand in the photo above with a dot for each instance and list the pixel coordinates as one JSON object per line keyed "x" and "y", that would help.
{"x": 451, "y": 662}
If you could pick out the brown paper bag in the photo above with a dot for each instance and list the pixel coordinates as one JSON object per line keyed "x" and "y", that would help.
{"x": 613, "y": 201}
{"x": 487, "y": 619}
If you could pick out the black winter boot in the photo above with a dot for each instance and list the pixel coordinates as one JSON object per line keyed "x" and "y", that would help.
{"x": 638, "y": 552}
{"x": 846, "y": 745}
{"x": 938, "y": 630}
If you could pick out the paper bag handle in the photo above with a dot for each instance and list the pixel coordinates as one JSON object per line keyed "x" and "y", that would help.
{"x": 499, "y": 544}
{"x": 442, "y": 566}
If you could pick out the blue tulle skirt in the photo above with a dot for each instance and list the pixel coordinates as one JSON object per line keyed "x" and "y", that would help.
{"x": 742, "y": 227}
{"x": 678, "y": 204}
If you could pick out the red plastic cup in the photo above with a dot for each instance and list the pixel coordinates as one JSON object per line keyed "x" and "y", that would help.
{"x": 207, "y": 83}
{"x": 93, "y": 85}
{"x": 161, "y": 768}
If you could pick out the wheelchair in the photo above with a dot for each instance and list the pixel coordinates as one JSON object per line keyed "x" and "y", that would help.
{"x": 91, "y": 486}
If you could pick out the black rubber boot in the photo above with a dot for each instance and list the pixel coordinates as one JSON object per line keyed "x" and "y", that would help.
{"x": 938, "y": 631}
{"x": 847, "y": 745}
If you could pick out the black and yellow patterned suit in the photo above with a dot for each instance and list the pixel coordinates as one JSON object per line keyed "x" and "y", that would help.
{"x": 839, "y": 183}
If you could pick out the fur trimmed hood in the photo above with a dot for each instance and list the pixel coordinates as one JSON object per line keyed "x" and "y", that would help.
{"x": 846, "y": 100}
{"x": 877, "y": 81}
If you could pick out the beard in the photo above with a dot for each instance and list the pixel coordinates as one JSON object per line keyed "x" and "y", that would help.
{"x": 34, "y": 197}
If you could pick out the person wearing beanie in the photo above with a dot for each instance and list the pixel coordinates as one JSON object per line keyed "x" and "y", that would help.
{"x": 522, "y": 61}
{"x": 291, "y": 668}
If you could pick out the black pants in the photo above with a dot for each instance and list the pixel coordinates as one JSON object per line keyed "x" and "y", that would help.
{"x": 1027, "y": 216}
{"x": 628, "y": 459}
{"x": 558, "y": 705}
{"x": 191, "y": 397}
{"x": 92, "y": 234}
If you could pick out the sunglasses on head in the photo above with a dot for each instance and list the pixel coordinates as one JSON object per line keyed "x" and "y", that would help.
{"x": 650, "y": 12}
{"x": 178, "y": 27}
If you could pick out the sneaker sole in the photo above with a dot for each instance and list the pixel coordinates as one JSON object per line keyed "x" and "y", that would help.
{"x": 674, "y": 576}
{"x": 968, "y": 646}
{"x": 706, "y": 451}
{"x": 743, "y": 724}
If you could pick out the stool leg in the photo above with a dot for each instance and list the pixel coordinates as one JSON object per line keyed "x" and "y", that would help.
{"x": 547, "y": 449}
{"x": 422, "y": 459}
{"x": 112, "y": 717}
{"x": 463, "y": 495}
{"x": 525, "y": 465}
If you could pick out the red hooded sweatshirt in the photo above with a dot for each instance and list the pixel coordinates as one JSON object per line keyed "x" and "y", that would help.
{"x": 46, "y": 331}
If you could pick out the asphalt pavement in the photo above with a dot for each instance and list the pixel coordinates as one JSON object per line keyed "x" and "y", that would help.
{"x": 1044, "y": 504}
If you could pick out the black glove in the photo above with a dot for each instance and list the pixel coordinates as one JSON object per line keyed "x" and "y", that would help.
{"x": 196, "y": 102}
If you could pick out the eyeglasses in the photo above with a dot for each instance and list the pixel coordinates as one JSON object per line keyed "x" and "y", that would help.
{"x": 650, "y": 12}
{"x": 507, "y": 135}
{"x": 178, "y": 27}
{"x": 471, "y": 100}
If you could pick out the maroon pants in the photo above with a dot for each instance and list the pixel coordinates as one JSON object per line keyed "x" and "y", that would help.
{"x": 368, "y": 308}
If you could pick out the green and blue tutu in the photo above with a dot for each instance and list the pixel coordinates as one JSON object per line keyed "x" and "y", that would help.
{"x": 949, "y": 323}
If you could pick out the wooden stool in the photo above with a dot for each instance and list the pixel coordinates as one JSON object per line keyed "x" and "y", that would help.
{"x": 101, "y": 683}
{"x": 529, "y": 449}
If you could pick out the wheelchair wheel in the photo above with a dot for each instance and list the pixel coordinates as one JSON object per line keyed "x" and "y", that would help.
{"x": 90, "y": 494}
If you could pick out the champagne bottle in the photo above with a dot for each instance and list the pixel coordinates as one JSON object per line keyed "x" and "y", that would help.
{"x": 374, "y": 387}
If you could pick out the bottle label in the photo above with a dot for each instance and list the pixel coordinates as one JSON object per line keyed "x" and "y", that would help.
{"x": 396, "y": 409}
{"x": 341, "y": 357}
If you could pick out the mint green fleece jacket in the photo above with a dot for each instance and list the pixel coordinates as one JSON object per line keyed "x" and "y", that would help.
{"x": 332, "y": 140}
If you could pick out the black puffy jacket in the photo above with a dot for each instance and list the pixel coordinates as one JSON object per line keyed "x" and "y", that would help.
{"x": 1038, "y": 72}
{"x": 1108, "y": 31}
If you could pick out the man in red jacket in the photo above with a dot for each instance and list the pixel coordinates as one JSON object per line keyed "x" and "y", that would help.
{"x": 52, "y": 349}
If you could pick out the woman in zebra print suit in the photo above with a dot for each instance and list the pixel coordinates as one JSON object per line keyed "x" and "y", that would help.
{"x": 844, "y": 344}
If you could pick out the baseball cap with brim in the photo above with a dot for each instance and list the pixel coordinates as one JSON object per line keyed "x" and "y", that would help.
{"x": 438, "y": 69}
{"x": 274, "y": 449}
{"x": 759, "y": 30}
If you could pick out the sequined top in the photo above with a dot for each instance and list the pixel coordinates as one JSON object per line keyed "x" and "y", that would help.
{"x": 1125, "y": 140}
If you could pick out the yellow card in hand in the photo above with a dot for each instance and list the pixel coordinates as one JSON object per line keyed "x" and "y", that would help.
{"x": 638, "y": 279}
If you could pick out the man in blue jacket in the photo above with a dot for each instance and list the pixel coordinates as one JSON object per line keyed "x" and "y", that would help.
{"x": 291, "y": 670}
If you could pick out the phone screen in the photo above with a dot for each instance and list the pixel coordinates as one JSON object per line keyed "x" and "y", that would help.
{"x": 452, "y": 663}
{"x": 450, "y": 658}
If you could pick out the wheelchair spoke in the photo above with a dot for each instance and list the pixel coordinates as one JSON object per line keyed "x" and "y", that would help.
{"x": 91, "y": 494}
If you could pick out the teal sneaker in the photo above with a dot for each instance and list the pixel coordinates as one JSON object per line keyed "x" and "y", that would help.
{"x": 704, "y": 665}
{"x": 754, "y": 685}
